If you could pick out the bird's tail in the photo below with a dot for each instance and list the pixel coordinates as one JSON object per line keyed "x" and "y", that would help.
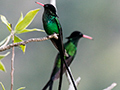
{"x": 62, "y": 53}
{"x": 51, "y": 84}
{"x": 48, "y": 84}
{"x": 59, "y": 45}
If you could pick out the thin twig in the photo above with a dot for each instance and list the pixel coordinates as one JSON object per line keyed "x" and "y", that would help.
{"x": 71, "y": 87}
{"x": 27, "y": 41}
{"x": 68, "y": 77}
{"x": 12, "y": 62}
{"x": 111, "y": 86}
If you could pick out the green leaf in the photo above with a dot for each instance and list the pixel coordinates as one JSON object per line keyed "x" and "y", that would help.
{"x": 4, "y": 20}
{"x": 3, "y": 41}
{"x": 30, "y": 30}
{"x": 2, "y": 67}
{"x": 2, "y": 86}
{"x": 21, "y": 88}
{"x": 16, "y": 40}
{"x": 21, "y": 18}
{"x": 2, "y": 56}
{"x": 26, "y": 21}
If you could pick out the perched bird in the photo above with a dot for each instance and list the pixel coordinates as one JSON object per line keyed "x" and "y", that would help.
{"x": 52, "y": 25}
{"x": 71, "y": 48}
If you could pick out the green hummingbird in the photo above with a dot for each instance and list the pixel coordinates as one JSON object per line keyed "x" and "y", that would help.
{"x": 71, "y": 49}
{"x": 52, "y": 25}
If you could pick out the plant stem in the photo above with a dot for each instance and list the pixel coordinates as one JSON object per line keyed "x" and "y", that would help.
{"x": 12, "y": 62}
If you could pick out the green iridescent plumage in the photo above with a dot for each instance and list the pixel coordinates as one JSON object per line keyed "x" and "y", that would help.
{"x": 71, "y": 49}
{"x": 52, "y": 25}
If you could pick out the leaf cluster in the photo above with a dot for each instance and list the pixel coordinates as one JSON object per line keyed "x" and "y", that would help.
{"x": 20, "y": 27}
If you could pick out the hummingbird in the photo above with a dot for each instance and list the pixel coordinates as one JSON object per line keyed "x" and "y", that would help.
{"x": 52, "y": 25}
{"x": 71, "y": 49}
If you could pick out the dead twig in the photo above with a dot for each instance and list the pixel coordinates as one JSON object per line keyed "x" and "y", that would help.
{"x": 111, "y": 86}
{"x": 28, "y": 41}
{"x": 77, "y": 81}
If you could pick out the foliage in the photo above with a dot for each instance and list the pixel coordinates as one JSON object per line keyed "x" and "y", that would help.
{"x": 1, "y": 64}
{"x": 20, "y": 27}
{"x": 2, "y": 86}
{"x": 21, "y": 88}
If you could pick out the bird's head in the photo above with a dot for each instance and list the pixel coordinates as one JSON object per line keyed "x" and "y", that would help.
{"x": 78, "y": 35}
{"x": 49, "y": 7}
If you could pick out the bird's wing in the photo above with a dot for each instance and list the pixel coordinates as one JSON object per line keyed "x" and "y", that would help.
{"x": 60, "y": 36}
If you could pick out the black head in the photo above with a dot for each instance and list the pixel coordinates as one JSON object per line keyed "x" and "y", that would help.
{"x": 78, "y": 35}
{"x": 50, "y": 7}
{"x": 75, "y": 34}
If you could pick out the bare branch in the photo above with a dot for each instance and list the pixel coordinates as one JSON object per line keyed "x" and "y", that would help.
{"x": 27, "y": 41}
{"x": 111, "y": 86}
{"x": 71, "y": 87}
{"x": 77, "y": 81}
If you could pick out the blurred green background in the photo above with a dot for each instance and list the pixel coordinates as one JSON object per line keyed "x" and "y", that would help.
{"x": 97, "y": 61}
